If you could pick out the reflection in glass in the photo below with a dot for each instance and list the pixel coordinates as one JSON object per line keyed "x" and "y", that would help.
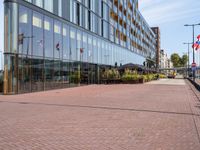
{"x": 24, "y": 31}
{"x": 37, "y": 67}
{"x": 57, "y": 40}
{"x": 38, "y": 42}
{"x": 48, "y": 37}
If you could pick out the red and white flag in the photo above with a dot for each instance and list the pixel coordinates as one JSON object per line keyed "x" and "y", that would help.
{"x": 198, "y": 37}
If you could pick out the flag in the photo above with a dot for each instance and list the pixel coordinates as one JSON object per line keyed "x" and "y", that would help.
{"x": 58, "y": 46}
{"x": 195, "y": 45}
{"x": 198, "y": 42}
{"x": 198, "y": 37}
{"x": 81, "y": 50}
{"x": 198, "y": 47}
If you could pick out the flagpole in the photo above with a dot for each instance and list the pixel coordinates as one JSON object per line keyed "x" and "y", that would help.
{"x": 193, "y": 25}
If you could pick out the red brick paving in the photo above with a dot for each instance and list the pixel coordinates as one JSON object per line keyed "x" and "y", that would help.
{"x": 102, "y": 117}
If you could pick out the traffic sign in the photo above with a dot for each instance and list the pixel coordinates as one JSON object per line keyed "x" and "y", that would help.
{"x": 194, "y": 68}
{"x": 194, "y": 64}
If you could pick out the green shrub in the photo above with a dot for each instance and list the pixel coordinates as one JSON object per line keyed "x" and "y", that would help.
{"x": 130, "y": 75}
{"x": 162, "y": 76}
{"x": 75, "y": 77}
{"x": 144, "y": 77}
{"x": 151, "y": 77}
{"x": 111, "y": 74}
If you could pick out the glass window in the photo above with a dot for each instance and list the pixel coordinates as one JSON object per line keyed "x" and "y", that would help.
{"x": 48, "y": 37}
{"x": 29, "y": 1}
{"x": 48, "y": 5}
{"x": 57, "y": 40}
{"x": 24, "y": 74}
{"x": 38, "y": 3}
{"x": 60, "y": 8}
{"x": 99, "y": 51}
{"x": 95, "y": 50}
{"x": 80, "y": 49}
{"x": 37, "y": 80}
{"x": 49, "y": 74}
{"x": 90, "y": 48}
{"x": 66, "y": 43}
{"x": 24, "y": 36}
{"x": 85, "y": 46}
{"x": 73, "y": 50}
{"x": 38, "y": 42}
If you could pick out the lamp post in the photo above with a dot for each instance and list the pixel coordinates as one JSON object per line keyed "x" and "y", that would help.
{"x": 188, "y": 56}
{"x": 192, "y": 25}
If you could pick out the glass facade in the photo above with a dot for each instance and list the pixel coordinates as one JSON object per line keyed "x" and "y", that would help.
{"x": 50, "y": 47}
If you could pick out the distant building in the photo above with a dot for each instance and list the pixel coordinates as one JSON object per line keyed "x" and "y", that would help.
{"x": 165, "y": 62}
{"x": 156, "y": 30}
{"x": 170, "y": 64}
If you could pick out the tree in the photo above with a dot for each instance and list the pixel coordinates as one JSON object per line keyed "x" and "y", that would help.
{"x": 179, "y": 61}
{"x": 184, "y": 60}
{"x": 175, "y": 58}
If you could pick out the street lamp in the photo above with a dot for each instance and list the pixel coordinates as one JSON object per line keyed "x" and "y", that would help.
{"x": 188, "y": 55}
{"x": 193, "y": 25}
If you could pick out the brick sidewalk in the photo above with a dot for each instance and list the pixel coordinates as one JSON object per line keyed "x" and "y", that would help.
{"x": 104, "y": 117}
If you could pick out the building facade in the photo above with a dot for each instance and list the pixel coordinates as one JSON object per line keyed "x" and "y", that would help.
{"x": 156, "y": 30}
{"x": 165, "y": 62}
{"x": 52, "y": 44}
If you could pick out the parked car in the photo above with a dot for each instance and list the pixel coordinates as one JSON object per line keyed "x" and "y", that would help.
{"x": 171, "y": 75}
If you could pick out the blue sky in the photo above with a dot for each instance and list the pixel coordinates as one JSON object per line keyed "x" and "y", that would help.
{"x": 170, "y": 16}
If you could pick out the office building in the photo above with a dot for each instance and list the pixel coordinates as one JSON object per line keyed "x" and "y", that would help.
{"x": 51, "y": 44}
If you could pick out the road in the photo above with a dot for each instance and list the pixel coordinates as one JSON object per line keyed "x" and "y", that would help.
{"x": 161, "y": 115}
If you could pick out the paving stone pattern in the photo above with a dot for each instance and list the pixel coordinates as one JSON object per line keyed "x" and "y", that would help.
{"x": 103, "y": 117}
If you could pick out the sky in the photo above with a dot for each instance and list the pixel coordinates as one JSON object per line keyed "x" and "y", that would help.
{"x": 170, "y": 16}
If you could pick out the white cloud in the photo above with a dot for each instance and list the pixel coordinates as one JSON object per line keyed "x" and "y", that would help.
{"x": 162, "y": 11}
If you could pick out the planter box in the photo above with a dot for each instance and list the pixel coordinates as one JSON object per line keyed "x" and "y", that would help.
{"x": 142, "y": 80}
{"x": 111, "y": 81}
{"x": 131, "y": 82}
{"x": 1, "y": 87}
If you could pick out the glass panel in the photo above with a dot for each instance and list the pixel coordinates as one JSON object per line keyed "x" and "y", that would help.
{"x": 73, "y": 50}
{"x": 90, "y": 48}
{"x": 57, "y": 78}
{"x": 24, "y": 76}
{"x": 85, "y": 46}
{"x": 38, "y": 3}
{"x": 66, "y": 43}
{"x": 37, "y": 69}
{"x": 48, "y": 5}
{"x": 48, "y": 37}
{"x": 57, "y": 40}
{"x": 49, "y": 72}
{"x": 25, "y": 36}
{"x": 38, "y": 42}
{"x": 65, "y": 74}
{"x": 80, "y": 49}
{"x": 60, "y": 8}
